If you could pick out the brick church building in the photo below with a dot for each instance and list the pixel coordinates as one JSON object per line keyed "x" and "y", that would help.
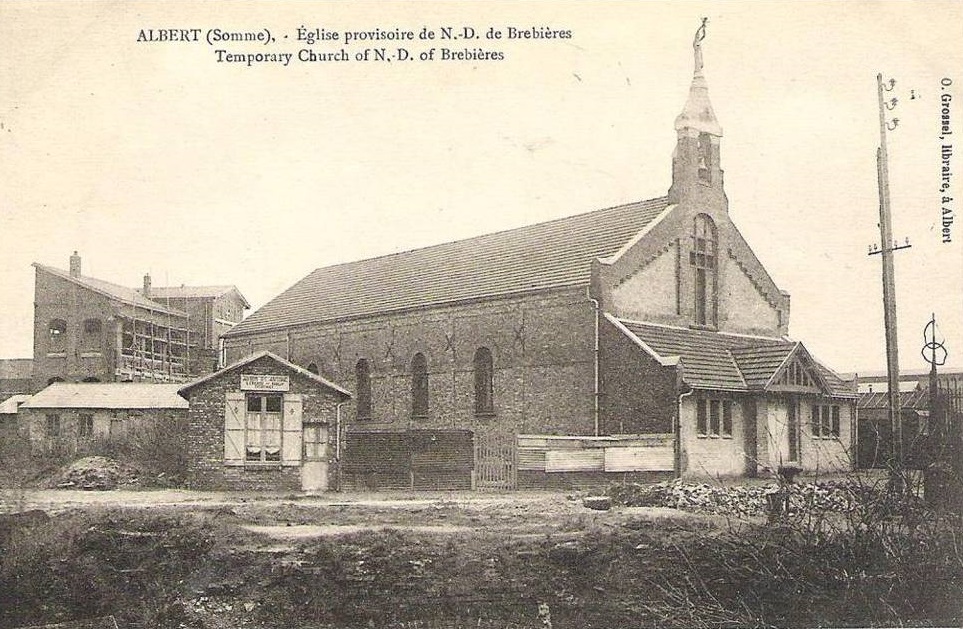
{"x": 653, "y": 318}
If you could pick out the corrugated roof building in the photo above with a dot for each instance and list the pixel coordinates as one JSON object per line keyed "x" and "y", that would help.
{"x": 649, "y": 318}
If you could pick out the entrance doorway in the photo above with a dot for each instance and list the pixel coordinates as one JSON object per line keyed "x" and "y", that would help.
{"x": 314, "y": 463}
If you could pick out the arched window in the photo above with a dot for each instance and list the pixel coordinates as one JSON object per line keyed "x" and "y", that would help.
{"x": 93, "y": 334}
{"x": 703, "y": 259}
{"x": 705, "y": 157}
{"x": 55, "y": 379}
{"x": 419, "y": 386}
{"x": 362, "y": 382}
{"x": 313, "y": 368}
{"x": 484, "y": 382}
{"x": 57, "y": 331}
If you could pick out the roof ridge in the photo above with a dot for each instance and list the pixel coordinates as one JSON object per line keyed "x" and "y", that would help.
{"x": 500, "y": 232}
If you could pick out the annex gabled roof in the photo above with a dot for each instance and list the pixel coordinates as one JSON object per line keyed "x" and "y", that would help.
{"x": 917, "y": 399}
{"x": 185, "y": 388}
{"x": 728, "y": 362}
{"x": 107, "y": 395}
{"x": 116, "y": 292}
{"x": 10, "y": 405}
{"x": 543, "y": 256}
{"x": 194, "y": 292}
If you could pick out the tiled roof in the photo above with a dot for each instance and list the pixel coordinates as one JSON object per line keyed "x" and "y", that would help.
{"x": 546, "y": 255}
{"x": 759, "y": 363}
{"x": 727, "y": 362}
{"x": 133, "y": 395}
{"x": 117, "y": 292}
{"x": 193, "y": 292}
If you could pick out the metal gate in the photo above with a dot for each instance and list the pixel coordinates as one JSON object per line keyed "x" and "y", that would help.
{"x": 495, "y": 461}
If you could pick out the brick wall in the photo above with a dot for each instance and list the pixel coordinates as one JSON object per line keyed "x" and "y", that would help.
{"x": 73, "y": 356}
{"x": 205, "y": 433}
{"x": 543, "y": 358}
{"x": 637, "y": 394}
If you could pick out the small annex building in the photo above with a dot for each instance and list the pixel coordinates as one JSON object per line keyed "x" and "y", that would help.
{"x": 65, "y": 417}
{"x": 263, "y": 423}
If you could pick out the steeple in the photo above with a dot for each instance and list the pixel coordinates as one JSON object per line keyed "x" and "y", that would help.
{"x": 696, "y": 157}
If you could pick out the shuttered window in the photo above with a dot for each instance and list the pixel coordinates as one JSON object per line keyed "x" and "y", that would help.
{"x": 262, "y": 428}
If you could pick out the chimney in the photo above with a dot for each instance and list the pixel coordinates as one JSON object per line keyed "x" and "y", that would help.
{"x": 75, "y": 265}
{"x": 146, "y": 290}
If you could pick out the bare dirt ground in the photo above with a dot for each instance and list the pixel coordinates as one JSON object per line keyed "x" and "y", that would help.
{"x": 183, "y": 559}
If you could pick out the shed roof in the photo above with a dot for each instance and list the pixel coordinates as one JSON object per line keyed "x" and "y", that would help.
{"x": 543, "y": 256}
{"x": 107, "y": 395}
{"x": 184, "y": 389}
{"x": 728, "y": 362}
{"x": 10, "y": 405}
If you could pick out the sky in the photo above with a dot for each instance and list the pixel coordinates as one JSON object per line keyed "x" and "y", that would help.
{"x": 153, "y": 157}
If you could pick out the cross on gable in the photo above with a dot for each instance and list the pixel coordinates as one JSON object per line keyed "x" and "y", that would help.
{"x": 337, "y": 353}
{"x": 389, "y": 347}
{"x": 519, "y": 336}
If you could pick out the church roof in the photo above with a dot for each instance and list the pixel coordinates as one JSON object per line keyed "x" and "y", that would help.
{"x": 543, "y": 256}
{"x": 728, "y": 362}
{"x": 116, "y": 292}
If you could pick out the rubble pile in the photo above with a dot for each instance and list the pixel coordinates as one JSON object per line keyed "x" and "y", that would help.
{"x": 738, "y": 500}
{"x": 96, "y": 473}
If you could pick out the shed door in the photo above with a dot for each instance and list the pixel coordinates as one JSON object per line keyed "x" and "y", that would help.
{"x": 314, "y": 466}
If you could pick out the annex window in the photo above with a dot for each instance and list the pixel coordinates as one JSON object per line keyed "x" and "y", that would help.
{"x": 53, "y": 425}
{"x": 825, "y": 421}
{"x": 703, "y": 260}
{"x": 262, "y": 428}
{"x": 314, "y": 442}
{"x": 362, "y": 381}
{"x": 85, "y": 426}
{"x": 419, "y": 386}
{"x": 484, "y": 382}
{"x": 713, "y": 418}
{"x": 57, "y": 331}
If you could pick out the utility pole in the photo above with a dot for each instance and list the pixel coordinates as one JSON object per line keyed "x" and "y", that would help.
{"x": 886, "y": 249}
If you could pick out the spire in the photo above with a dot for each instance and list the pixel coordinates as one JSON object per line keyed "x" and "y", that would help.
{"x": 697, "y": 114}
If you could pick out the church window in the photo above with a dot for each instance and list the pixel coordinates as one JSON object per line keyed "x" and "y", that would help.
{"x": 484, "y": 382}
{"x": 705, "y": 157}
{"x": 362, "y": 380}
{"x": 419, "y": 386}
{"x": 703, "y": 259}
{"x": 313, "y": 368}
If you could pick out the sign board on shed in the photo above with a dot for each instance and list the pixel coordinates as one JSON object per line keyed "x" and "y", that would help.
{"x": 264, "y": 382}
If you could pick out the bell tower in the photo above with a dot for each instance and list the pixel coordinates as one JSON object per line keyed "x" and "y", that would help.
{"x": 696, "y": 171}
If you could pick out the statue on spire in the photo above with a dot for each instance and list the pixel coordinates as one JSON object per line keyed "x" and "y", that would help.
{"x": 700, "y": 34}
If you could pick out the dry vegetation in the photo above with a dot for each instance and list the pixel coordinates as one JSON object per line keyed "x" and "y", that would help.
{"x": 515, "y": 560}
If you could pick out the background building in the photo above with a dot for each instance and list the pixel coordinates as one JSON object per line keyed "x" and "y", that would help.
{"x": 90, "y": 330}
